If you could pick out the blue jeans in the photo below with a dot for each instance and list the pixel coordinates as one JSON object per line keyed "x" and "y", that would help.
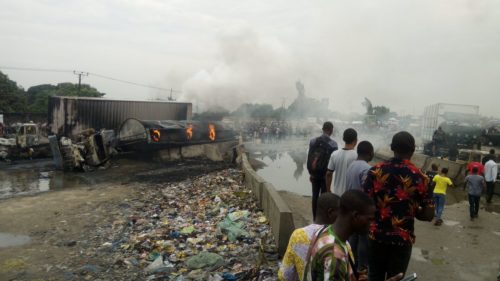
{"x": 474, "y": 205}
{"x": 439, "y": 200}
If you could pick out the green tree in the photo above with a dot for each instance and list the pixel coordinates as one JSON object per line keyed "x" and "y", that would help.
{"x": 38, "y": 96}
{"x": 70, "y": 89}
{"x": 12, "y": 97}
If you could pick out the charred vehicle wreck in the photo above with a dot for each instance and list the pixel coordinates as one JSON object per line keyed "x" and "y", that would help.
{"x": 90, "y": 149}
{"x": 143, "y": 135}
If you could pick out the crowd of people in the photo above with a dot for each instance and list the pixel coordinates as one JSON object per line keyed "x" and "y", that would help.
{"x": 267, "y": 132}
{"x": 274, "y": 131}
{"x": 363, "y": 216}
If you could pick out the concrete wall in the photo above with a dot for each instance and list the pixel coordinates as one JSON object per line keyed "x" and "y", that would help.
{"x": 276, "y": 210}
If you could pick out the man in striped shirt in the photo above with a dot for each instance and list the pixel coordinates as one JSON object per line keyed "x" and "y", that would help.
{"x": 330, "y": 256}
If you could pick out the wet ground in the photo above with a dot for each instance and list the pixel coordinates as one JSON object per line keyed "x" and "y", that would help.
{"x": 53, "y": 225}
{"x": 460, "y": 249}
{"x": 21, "y": 178}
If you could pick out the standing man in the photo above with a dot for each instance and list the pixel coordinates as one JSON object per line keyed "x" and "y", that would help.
{"x": 294, "y": 260}
{"x": 329, "y": 256}
{"x": 357, "y": 171}
{"x": 320, "y": 149}
{"x": 431, "y": 174}
{"x": 442, "y": 182}
{"x": 475, "y": 163}
{"x": 475, "y": 184}
{"x": 356, "y": 175}
{"x": 488, "y": 157}
{"x": 400, "y": 192}
{"x": 490, "y": 175}
{"x": 340, "y": 161}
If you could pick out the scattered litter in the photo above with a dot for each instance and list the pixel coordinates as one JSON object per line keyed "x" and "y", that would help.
{"x": 203, "y": 228}
{"x": 206, "y": 227}
{"x": 205, "y": 259}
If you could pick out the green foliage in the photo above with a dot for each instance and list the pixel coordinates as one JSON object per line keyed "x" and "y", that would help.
{"x": 12, "y": 97}
{"x": 38, "y": 96}
{"x": 70, "y": 89}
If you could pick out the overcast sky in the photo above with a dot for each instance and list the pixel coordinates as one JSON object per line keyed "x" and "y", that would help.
{"x": 402, "y": 54}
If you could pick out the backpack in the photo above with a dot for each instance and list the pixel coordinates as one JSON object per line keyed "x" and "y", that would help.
{"x": 318, "y": 157}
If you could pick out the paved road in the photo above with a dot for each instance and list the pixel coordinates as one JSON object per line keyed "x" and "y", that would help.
{"x": 459, "y": 250}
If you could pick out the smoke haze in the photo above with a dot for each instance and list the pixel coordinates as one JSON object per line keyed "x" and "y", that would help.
{"x": 401, "y": 54}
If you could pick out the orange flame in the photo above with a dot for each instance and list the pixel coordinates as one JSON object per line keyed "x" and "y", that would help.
{"x": 155, "y": 135}
{"x": 211, "y": 133}
{"x": 189, "y": 132}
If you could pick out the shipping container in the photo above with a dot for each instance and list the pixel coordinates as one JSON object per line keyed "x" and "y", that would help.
{"x": 70, "y": 115}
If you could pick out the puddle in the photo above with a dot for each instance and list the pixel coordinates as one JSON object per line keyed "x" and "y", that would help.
{"x": 285, "y": 170}
{"x": 11, "y": 240}
{"x": 34, "y": 180}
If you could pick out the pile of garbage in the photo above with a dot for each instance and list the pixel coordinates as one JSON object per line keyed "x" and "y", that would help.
{"x": 207, "y": 228}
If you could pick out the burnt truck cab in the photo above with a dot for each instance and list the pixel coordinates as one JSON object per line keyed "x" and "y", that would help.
{"x": 453, "y": 136}
{"x": 137, "y": 134}
{"x": 28, "y": 135}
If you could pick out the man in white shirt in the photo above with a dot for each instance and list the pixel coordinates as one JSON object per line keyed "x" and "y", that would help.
{"x": 340, "y": 161}
{"x": 490, "y": 175}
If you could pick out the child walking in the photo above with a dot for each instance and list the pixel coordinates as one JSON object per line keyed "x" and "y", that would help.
{"x": 475, "y": 184}
{"x": 442, "y": 182}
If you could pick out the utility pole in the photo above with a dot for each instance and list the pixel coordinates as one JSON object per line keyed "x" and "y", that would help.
{"x": 80, "y": 73}
{"x": 171, "y": 98}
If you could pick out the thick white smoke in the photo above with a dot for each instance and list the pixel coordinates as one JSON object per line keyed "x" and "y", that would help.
{"x": 249, "y": 68}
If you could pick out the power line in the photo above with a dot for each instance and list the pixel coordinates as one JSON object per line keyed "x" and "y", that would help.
{"x": 132, "y": 83}
{"x": 35, "y": 69}
{"x": 90, "y": 74}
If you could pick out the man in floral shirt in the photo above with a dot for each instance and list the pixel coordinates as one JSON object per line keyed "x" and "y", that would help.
{"x": 400, "y": 193}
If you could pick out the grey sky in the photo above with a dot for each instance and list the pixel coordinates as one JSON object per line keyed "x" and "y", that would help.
{"x": 403, "y": 54}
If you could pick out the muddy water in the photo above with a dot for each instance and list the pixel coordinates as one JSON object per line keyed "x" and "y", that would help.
{"x": 23, "y": 182}
{"x": 10, "y": 240}
{"x": 286, "y": 170}
{"x": 27, "y": 178}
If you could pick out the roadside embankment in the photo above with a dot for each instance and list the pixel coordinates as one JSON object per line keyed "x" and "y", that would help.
{"x": 275, "y": 208}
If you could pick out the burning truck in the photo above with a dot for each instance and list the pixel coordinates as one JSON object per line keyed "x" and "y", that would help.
{"x": 87, "y": 132}
{"x": 91, "y": 149}
{"x": 143, "y": 135}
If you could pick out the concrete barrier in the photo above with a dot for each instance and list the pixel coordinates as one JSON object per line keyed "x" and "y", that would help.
{"x": 276, "y": 210}
{"x": 456, "y": 170}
